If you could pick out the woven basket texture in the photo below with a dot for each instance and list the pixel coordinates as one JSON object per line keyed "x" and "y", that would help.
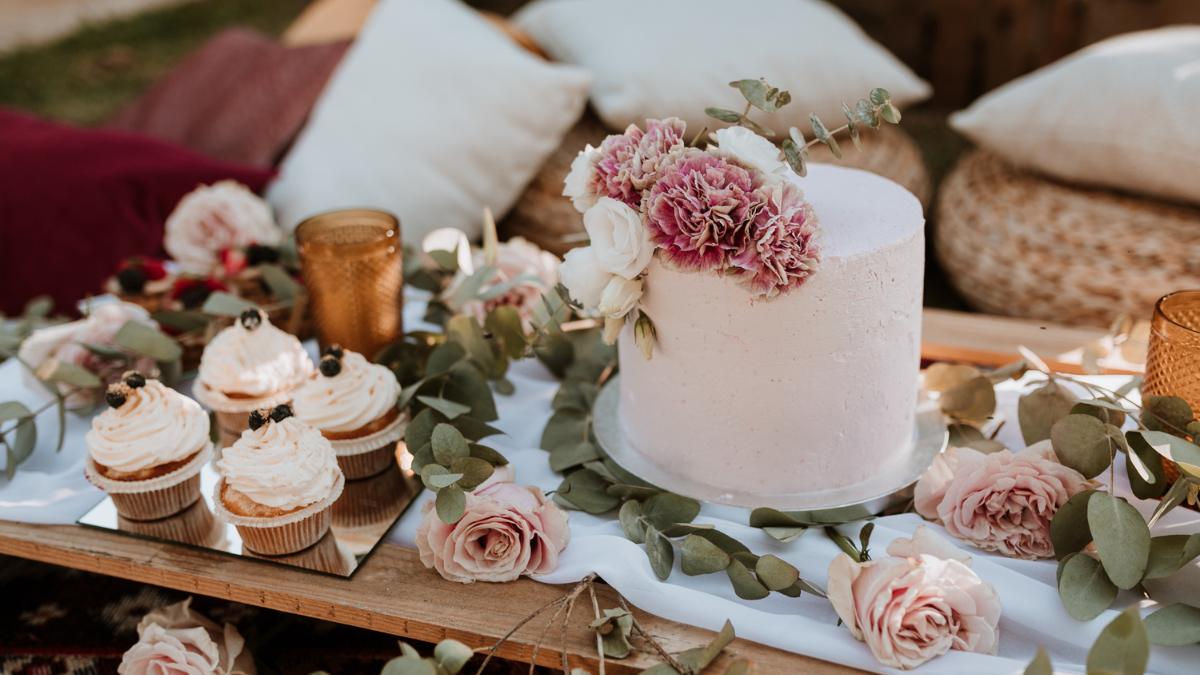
{"x": 1017, "y": 244}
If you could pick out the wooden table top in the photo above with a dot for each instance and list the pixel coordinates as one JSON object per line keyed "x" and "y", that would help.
{"x": 393, "y": 593}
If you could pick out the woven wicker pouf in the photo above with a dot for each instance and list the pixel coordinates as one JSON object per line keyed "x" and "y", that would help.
{"x": 1016, "y": 244}
{"x": 548, "y": 219}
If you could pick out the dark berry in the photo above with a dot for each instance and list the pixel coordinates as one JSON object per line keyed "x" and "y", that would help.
{"x": 257, "y": 254}
{"x": 134, "y": 379}
{"x": 257, "y": 419}
{"x": 335, "y": 350}
{"x": 281, "y": 412}
{"x": 132, "y": 280}
{"x": 251, "y": 319}
{"x": 193, "y": 295}
{"x": 115, "y": 396}
{"x": 330, "y": 366}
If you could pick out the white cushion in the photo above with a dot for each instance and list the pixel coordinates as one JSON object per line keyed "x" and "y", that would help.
{"x": 433, "y": 115}
{"x": 662, "y": 58}
{"x": 1122, "y": 113}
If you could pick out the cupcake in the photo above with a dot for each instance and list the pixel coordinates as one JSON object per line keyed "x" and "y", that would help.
{"x": 249, "y": 366}
{"x": 146, "y": 450}
{"x": 195, "y": 525}
{"x": 277, "y": 483}
{"x": 352, "y": 402}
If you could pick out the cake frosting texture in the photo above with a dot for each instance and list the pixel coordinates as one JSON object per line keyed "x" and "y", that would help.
{"x": 814, "y": 389}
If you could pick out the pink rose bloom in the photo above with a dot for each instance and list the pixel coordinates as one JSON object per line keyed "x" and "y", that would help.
{"x": 1001, "y": 501}
{"x": 700, "y": 209}
{"x": 175, "y": 640}
{"x": 65, "y": 342}
{"x": 508, "y": 530}
{"x": 912, "y": 608}
{"x": 779, "y": 251}
{"x": 527, "y": 270}
{"x": 214, "y": 218}
{"x": 627, "y": 164}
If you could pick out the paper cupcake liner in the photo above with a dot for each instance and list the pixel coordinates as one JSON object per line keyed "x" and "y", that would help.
{"x": 278, "y": 535}
{"x": 371, "y": 501}
{"x": 195, "y": 525}
{"x": 371, "y": 454}
{"x": 326, "y": 555}
{"x": 157, "y": 497}
{"x": 219, "y": 402}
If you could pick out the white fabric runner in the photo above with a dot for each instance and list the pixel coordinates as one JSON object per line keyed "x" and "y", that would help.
{"x": 50, "y": 488}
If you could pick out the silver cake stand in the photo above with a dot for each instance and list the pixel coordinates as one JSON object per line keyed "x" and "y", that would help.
{"x": 889, "y": 487}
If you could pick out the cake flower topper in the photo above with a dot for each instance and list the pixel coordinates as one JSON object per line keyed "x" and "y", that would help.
{"x": 732, "y": 208}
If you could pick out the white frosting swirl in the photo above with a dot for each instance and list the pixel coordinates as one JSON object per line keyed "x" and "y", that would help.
{"x": 255, "y": 363}
{"x": 358, "y": 395}
{"x": 285, "y": 465}
{"x": 155, "y": 425}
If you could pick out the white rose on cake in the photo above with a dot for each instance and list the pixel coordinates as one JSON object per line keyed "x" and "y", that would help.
{"x": 578, "y": 183}
{"x": 584, "y": 277}
{"x": 620, "y": 296}
{"x": 213, "y": 218}
{"x": 748, "y": 148}
{"x": 620, "y": 239}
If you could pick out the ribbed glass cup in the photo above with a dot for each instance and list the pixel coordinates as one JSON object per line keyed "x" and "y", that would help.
{"x": 1173, "y": 361}
{"x": 352, "y": 266}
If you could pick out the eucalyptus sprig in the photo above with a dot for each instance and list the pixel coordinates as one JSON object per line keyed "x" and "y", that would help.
{"x": 867, "y": 112}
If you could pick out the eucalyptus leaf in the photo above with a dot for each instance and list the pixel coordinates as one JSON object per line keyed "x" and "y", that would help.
{"x": 795, "y": 156}
{"x": 700, "y": 556}
{"x": 623, "y": 491}
{"x": 283, "y": 286}
{"x": 1082, "y": 443}
{"x": 1144, "y": 467}
{"x": 666, "y": 509}
{"x": 963, "y": 435}
{"x": 420, "y": 428}
{"x": 1122, "y": 538}
{"x": 867, "y": 113}
{"x": 1122, "y": 648}
{"x": 1169, "y": 554}
{"x": 890, "y": 113}
{"x": 1069, "y": 530}
{"x": 1038, "y": 410}
{"x": 1104, "y": 413}
{"x": 104, "y": 352}
{"x": 660, "y": 553}
{"x": 566, "y": 428}
{"x": 446, "y": 407}
{"x": 474, "y": 429}
{"x": 467, "y": 385}
{"x": 738, "y": 667}
{"x": 1173, "y": 497}
{"x": 1084, "y": 588}
{"x": 23, "y": 442}
{"x": 631, "y": 524}
{"x": 474, "y": 471}
{"x": 755, "y": 92}
{"x": 785, "y": 535}
{"x": 435, "y": 477}
{"x": 1040, "y": 665}
{"x": 465, "y": 330}
{"x": 505, "y": 323}
{"x": 698, "y": 659}
{"x": 728, "y": 116}
{"x": 725, "y": 542}
{"x": 451, "y": 502}
{"x": 971, "y": 401}
{"x": 1166, "y": 413}
{"x": 488, "y": 455}
{"x": 1175, "y": 625}
{"x": 745, "y": 585}
{"x": 567, "y": 456}
{"x": 11, "y": 410}
{"x": 776, "y": 573}
{"x": 579, "y": 396}
{"x": 448, "y": 444}
{"x": 852, "y": 125}
{"x": 880, "y": 96}
{"x": 1178, "y": 449}
{"x": 220, "y": 303}
{"x": 587, "y": 491}
{"x": 822, "y": 134}
{"x": 148, "y": 341}
{"x": 443, "y": 358}
{"x": 403, "y": 665}
{"x": 755, "y": 127}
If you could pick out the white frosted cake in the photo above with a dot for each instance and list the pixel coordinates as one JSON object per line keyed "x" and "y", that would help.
{"x": 813, "y": 389}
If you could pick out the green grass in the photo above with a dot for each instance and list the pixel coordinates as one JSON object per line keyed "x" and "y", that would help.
{"x": 87, "y": 77}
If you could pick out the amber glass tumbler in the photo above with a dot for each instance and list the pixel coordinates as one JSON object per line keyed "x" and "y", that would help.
{"x": 352, "y": 266}
{"x": 1173, "y": 362}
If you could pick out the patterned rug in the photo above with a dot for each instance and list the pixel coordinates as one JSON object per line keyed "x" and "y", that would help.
{"x": 57, "y": 621}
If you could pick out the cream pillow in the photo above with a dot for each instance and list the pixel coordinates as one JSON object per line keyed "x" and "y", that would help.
{"x": 1122, "y": 113}
{"x": 660, "y": 58}
{"x": 433, "y": 115}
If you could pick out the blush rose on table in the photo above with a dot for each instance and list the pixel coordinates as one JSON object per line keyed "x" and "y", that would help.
{"x": 177, "y": 640}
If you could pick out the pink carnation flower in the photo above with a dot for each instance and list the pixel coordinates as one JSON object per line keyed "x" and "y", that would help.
{"x": 699, "y": 210}
{"x": 629, "y": 163}
{"x": 779, "y": 250}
